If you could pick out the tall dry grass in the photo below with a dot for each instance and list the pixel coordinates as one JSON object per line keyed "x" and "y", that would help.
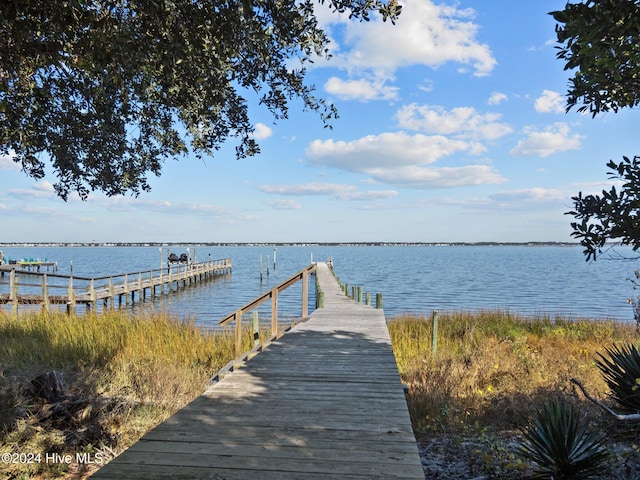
{"x": 123, "y": 374}
{"x": 495, "y": 368}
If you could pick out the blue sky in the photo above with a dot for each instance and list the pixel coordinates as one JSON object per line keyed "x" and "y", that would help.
{"x": 452, "y": 128}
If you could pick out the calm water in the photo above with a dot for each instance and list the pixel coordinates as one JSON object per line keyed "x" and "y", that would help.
{"x": 550, "y": 280}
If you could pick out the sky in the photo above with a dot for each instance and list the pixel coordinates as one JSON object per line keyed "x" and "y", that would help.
{"x": 452, "y": 128}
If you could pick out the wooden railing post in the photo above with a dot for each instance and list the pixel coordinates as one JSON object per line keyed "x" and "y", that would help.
{"x": 305, "y": 294}
{"x": 71, "y": 295}
{"x": 126, "y": 289}
{"x": 13, "y": 292}
{"x": 255, "y": 327}
{"x": 238, "y": 320}
{"x": 112, "y": 292}
{"x": 274, "y": 311}
{"x": 45, "y": 293}
{"x": 92, "y": 295}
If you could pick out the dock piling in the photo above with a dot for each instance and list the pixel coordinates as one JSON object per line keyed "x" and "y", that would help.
{"x": 85, "y": 291}
{"x": 434, "y": 332}
{"x": 378, "y": 300}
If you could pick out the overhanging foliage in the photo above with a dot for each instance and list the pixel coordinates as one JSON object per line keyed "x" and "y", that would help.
{"x": 104, "y": 89}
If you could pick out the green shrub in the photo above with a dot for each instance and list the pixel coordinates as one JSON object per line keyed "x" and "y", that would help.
{"x": 560, "y": 445}
{"x": 621, "y": 372}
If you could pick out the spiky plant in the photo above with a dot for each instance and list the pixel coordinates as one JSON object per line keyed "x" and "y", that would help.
{"x": 621, "y": 372}
{"x": 559, "y": 444}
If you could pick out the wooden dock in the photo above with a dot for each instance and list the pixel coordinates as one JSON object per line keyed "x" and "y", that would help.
{"x": 29, "y": 265}
{"x": 37, "y": 288}
{"x": 324, "y": 401}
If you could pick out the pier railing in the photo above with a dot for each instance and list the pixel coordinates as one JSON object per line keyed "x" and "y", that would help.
{"x": 238, "y": 315}
{"x": 45, "y": 289}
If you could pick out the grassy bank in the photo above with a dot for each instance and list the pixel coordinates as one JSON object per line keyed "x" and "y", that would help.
{"x": 122, "y": 375}
{"x": 490, "y": 373}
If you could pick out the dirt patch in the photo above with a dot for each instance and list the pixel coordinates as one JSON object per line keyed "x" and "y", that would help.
{"x": 488, "y": 455}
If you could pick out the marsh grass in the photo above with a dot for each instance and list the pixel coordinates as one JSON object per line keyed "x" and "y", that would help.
{"x": 126, "y": 373}
{"x": 496, "y": 363}
{"x": 123, "y": 374}
{"x": 492, "y": 371}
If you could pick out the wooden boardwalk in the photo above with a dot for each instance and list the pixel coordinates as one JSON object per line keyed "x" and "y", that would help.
{"x": 90, "y": 291}
{"x": 323, "y": 402}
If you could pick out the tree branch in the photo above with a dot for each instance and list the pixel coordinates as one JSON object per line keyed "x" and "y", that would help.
{"x": 618, "y": 416}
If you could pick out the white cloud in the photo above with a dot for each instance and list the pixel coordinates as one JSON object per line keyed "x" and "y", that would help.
{"x": 400, "y": 159}
{"x": 531, "y": 195}
{"x": 262, "y": 131}
{"x": 7, "y": 163}
{"x": 594, "y": 188}
{"x": 550, "y": 102}
{"x": 425, "y": 34}
{"x": 42, "y": 189}
{"x": 43, "y": 211}
{"x": 434, "y": 177}
{"x": 307, "y": 189}
{"x": 555, "y": 138}
{"x": 132, "y": 204}
{"x": 160, "y": 207}
{"x": 524, "y": 200}
{"x": 465, "y": 122}
{"x": 363, "y": 89}
{"x": 284, "y": 204}
{"x": 426, "y": 86}
{"x": 340, "y": 191}
{"x": 387, "y": 150}
{"x": 370, "y": 195}
{"x": 497, "y": 98}
{"x": 203, "y": 209}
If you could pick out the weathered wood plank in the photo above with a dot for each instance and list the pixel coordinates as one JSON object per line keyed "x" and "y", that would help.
{"x": 187, "y": 472}
{"x": 272, "y": 451}
{"x": 391, "y": 468}
{"x": 323, "y": 402}
{"x": 284, "y": 435}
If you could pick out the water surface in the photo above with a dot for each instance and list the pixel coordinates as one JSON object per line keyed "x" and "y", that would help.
{"x": 551, "y": 280}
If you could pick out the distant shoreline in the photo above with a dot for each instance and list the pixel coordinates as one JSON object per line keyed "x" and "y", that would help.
{"x": 287, "y": 244}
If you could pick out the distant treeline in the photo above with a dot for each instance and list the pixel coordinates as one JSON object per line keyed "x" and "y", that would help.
{"x": 281, "y": 244}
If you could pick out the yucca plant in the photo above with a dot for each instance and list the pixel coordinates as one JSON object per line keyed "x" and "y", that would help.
{"x": 559, "y": 444}
{"x": 621, "y": 372}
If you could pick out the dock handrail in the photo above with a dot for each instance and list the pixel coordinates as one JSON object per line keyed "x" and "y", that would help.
{"x": 272, "y": 294}
{"x": 86, "y": 290}
{"x": 179, "y": 267}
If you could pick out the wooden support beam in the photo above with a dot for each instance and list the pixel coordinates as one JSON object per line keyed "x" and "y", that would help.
{"x": 274, "y": 311}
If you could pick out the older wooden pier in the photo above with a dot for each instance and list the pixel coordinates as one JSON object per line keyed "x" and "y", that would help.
{"x": 323, "y": 402}
{"x": 36, "y": 288}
